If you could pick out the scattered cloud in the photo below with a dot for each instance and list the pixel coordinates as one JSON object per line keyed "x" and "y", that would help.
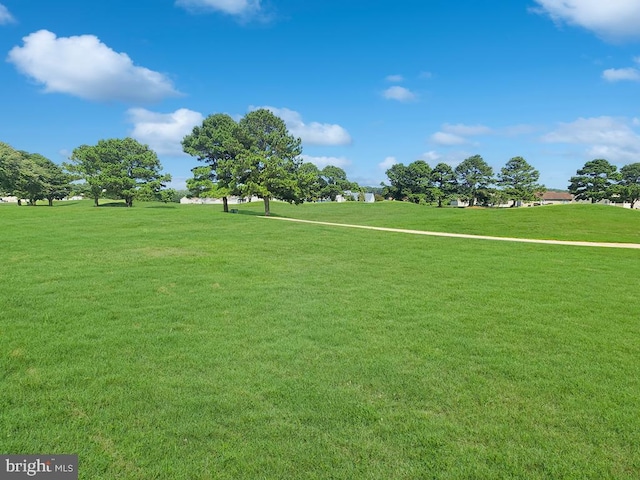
{"x": 163, "y": 132}
{"x": 517, "y": 130}
{"x": 5, "y": 15}
{"x": 426, "y": 75}
{"x": 466, "y": 130}
{"x": 615, "y": 139}
{"x": 322, "y": 162}
{"x": 613, "y": 20}
{"x": 85, "y": 67}
{"x": 400, "y": 94}
{"x": 395, "y": 78}
{"x": 430, "y": 156}
{"x": 313, "y": 133}
{"x": 230, "y": 7}
{"x": 621, "y": 74}
{"x": 387, "y": 163}
{"x": 447, "y": 139}
{"x": 457, "y": 134}
{"x": 460, "y": 134}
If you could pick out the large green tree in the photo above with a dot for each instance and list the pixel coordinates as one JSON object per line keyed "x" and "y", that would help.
{"x": 55, "y": 183}
{"x": 594, "y": 181}
{"x": 411, "y": 182}
{"x": 122, "y": 168}
{"x": 269, "y": 167}
{"x": 444, "y": 182}
{"x": 31, "y": 176}
{"x": 86, "y": 164}
{"x": 335, "y": 182}
{"x": 218, "y": 142}
{"x": 201, "y": 184}
{"x": 310, "y": 181}
{"x": 10, "y": 170}
{"x": 519, "y": 180}
{"x": 629, "y": 186}
{"x": 474, "y": 175}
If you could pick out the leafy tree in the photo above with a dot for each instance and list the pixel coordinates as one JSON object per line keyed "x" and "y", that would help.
{"x": 55, "y": 183}
{"x": 269, "y": 167}
{"x": 29, "y": 183}
{"x": 171, "y": 195}
{"x": 123, "y": 168}
{"x": 444, "y": 182}
{"x": 310, "y": 181}
{"x": 474, "y": 174}
{"x": 519, "y": 180}
{"x": 31, "y": 176}
{"x": 202, "y": 186}
{"x": 218, "y": 142}
{"x": 594, "y": 181}
{"x": 86, "y": 164}
{"x": 419, "y": 177}
{"x": 335, "y": 182}
{"x": 629, "y": 186}
{"x": 10, "y": 168}
{"x": 411, "y": 182}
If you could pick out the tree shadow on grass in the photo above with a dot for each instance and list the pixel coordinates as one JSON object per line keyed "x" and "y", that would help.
{"x": 113, "y": 204}
{"x": 251, "y": 213}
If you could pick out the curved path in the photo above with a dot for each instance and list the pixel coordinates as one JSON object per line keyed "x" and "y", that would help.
{"x": 464, "y": 235}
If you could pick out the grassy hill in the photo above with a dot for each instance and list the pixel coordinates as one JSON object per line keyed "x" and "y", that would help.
{"x": 599, "y": 223}
{"x": 169, "y": 341}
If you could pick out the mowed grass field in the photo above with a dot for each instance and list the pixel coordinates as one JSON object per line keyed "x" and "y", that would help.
{"x": 178, "y": 342}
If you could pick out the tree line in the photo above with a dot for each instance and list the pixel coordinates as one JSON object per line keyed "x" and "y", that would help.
{"x": 31, "y": 176}
{"x": 472, "y": 181}
{"x": 115, "y": 168}
{"x": 257, "y": 156}
{"x": 600, "y": 180}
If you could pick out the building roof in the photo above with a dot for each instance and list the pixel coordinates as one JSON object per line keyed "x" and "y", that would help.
{"x": 550, "y": 196}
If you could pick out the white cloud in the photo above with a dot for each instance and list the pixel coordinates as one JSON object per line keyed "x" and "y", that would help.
{"x": 399, "y": 93}
{"x": 459, "y": 133}
{"x": 230, "y": 7}
{"x": 466, "y": 130}
{"x": 387, "y": 163}
{"x": 322, "y": 162}
{"x": 620, "y": 74}
{"x": 85, "y": 67}
{"x": 517, "y": 130}
{"x": 395, "y": 78}
{"x": 604, "y": 137}
{"x": 314, "y": 133}
{"x": 611, "y": 19}
{"x": 5, "y": 15}
{"x": 163, "y": 132}
{"x": 430, "y": 156}
{"x": 447, "y": 139}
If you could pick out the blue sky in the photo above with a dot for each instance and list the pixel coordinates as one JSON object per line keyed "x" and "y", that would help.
{"x": 363, "y": 83}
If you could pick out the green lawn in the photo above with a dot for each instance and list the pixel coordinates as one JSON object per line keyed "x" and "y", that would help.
{"x": 177, "y": 342}
{"x": 598, "y": 223}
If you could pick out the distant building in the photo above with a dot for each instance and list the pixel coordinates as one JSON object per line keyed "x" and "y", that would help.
{"x": 368, "y": 197}
{"x": 556, "y": 198}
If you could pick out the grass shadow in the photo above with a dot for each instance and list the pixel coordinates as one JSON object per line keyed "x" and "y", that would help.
{"x": 252, "y": 213}
{"x": 113, "y": 204}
